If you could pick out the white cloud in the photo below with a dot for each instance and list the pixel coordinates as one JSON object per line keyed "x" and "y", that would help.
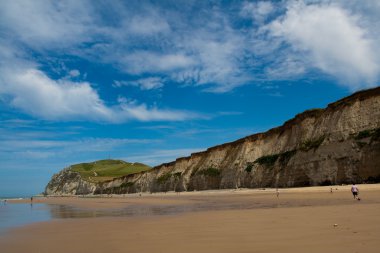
{"x": 142, "y": 41}
{"x": 219, "y": 53}
{"x": 220, "y": 62}
{"x": 148, "y": 25}
{"x": 33, "y": 92}
{"x": 37, "y": 148}
{"x": 143, "y": 113}
{"x": 152, "y": 62}
{"x": 89, "y": 144}
{"x": 286, "y": 67}
{"x": 47, "y": 23}
{"x": 258, "y": 11}
{"x": 211, "y": 48}
{"x": 36, "y": 94}
{"x": 37, "y": 155}
{"x": 74, "y": 73}
{"x": 332, "y": 40}
{"x": 150, "y": 83}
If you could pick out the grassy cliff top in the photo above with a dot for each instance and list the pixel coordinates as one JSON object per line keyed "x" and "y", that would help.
{"x": 103, "y": 170}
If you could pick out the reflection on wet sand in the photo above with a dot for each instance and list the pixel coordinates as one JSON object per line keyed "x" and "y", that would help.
{"x": 172, "y": 205}
{"x": 21, "y": 213}
{"x": 65, "y": 211}
{"x": 131, "y": 210}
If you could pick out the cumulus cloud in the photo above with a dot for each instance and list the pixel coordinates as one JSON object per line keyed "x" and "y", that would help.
{"x": 333, "y": 41}
{"x": 33, "y": 92}
{"x": 24, "y": 86}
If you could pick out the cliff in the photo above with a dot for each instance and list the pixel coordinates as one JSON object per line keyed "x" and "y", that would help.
{"x": 84, "y": 178}
{"x": 336, "y": 145}
{"x": 69, "y": 182}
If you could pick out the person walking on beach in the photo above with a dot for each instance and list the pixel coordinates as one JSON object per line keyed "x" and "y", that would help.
{"x": 354, "y": 190}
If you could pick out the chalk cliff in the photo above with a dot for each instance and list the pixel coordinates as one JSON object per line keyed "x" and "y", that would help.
{"x": 336, "y": 145}
{"x": 69, "y": 182}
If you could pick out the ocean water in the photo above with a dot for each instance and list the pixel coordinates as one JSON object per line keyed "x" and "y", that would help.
{"x": 14, "y": 215}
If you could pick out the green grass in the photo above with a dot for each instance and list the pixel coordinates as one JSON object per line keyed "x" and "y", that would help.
{"x": 104, "y": 170}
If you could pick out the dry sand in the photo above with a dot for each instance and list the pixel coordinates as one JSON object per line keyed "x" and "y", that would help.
{"x": 300, "y": 220}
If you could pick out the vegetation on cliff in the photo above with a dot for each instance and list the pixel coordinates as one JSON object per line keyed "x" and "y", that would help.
{"x": 270, "y": 160}
{"x": 312, "y": 143}
{"x": 104, "y": 170}
{"x": 373, "y": 133}
{"x": 210, "y": 172}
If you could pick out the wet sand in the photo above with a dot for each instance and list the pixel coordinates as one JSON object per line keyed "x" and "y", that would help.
{"x": 300, "y": 220}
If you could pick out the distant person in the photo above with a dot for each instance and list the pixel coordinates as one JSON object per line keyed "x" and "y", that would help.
{"x": 355, "y": 191}
{"x": 31, "y": 199}
{"x": 277, "y": 193}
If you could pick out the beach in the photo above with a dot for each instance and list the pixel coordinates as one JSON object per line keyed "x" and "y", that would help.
{"x": 311, "y": 219}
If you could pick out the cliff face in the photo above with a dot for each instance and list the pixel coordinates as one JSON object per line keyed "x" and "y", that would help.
{"x": 69, "y": 182}
{"x": 339, "y": 144}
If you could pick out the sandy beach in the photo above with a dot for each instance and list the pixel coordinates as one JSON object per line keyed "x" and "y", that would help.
{"x": 301, "y": 220}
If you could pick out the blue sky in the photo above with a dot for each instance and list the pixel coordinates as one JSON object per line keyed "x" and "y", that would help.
{"x": 150, "y": 81}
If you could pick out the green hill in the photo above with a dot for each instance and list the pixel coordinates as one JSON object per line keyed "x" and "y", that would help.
{"x": 104, "y": 170}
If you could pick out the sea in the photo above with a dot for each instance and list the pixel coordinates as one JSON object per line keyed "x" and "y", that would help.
{"x": 20, "y": 214}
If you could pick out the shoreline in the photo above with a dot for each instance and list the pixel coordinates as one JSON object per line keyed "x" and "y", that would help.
{"x": 227, "y": 221}
{"x": 367, "y": 187}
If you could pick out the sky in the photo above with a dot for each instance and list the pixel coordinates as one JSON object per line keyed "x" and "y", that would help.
{"x": 151, "y": 81}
